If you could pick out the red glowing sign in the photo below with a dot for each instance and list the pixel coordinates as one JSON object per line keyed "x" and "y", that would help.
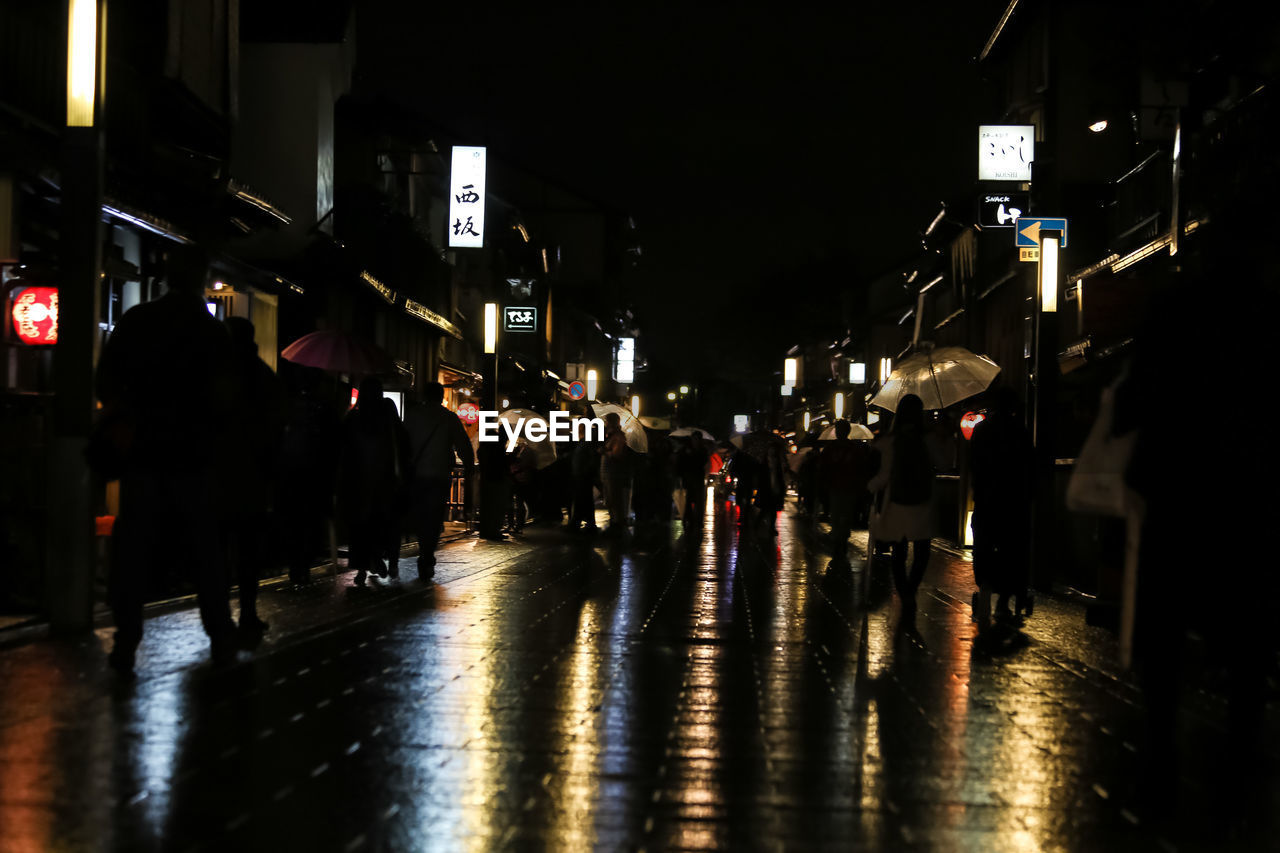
{"x": 35, "y": 315}
{"x": 468, "y": 413}
{"x": 969, "y": 421}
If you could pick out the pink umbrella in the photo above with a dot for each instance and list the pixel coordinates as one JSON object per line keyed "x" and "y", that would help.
{"x": 330, "y": 349}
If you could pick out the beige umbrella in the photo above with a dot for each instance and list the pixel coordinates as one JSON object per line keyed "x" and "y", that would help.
{"x": 939, "y": 377}
{"x": 544, "y": 452}
{"x": 631, "y": 426}
{"x": 857, "y": 432}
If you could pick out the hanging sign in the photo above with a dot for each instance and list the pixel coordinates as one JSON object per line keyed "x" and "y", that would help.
{"x": 466, "y": 198}
{"x": 519, "y": 319}
{"x": 468, "y": 413}
{"x": 1005, "y": 152}
{"x": 35, "y": 316}
{"x": 624, "y": 361}
{"x": 999, "y": 210}
{"x": 969, "y": 421}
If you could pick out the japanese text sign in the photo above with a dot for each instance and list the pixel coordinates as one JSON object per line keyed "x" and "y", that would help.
{"x": 466, "y": 198}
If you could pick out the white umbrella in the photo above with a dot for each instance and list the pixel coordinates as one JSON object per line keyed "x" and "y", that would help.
{"x": 631, "y": 426}
{"x": 687, "y": 431}
{"x": 655, "y": 423}
{"x": 544, "y": 452}
{"x": 857, "y": 432}
{"x": 939, "y": 377}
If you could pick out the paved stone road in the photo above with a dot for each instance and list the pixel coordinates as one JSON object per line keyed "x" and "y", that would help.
{"x": 686, "y": 690}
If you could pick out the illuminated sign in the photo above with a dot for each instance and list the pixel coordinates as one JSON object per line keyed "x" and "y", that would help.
{"x": 741, "y": 423}
{"x": 969, "y": 421}
{"x": 468, "y": 413}
{"x": 422, "y": 312}
{"x": 35, "y": 315}
{"x": 577, "y": 390}
{"x": 466, "y": 198}
{"x": 999, "y": 210}
{"x": 1005, "y": 152}
{"x": 624, "y": 360}
{"x": 517, "y": 318}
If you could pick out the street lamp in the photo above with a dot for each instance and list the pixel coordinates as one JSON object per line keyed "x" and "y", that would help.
{"x": 684, "y": 389}
{"x": 635, "y": 405}
{"x": 790, "y": 370}
{"x": 1048, "y": 269}
{"x": 839, "y": 405}
{"x": 592, "y": 377}
{"x": 490, "y": 328}
{"x": 671, "y": 396}
{"x": 886, "y": 369}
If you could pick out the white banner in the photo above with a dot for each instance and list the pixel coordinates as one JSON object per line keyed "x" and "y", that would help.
{"x": 466, "y": 198}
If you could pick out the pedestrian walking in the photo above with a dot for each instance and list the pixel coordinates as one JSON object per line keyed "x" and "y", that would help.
{"x": 495, "y": 489}
{"x": 843, "y": 468}
{"x": 437, "y": 441}
{"x": 585, "y": 462}
{"x": 307, "y": 469}
{"x": 370, "y": 468}
{"x": 1003, "y": 487}
{"x": 616, "y": 474}
{"x": 165, "y": 374}
{"x": 903, "y": 487}
{"x": 255, "y": 429}
{"x": 692, "y": 463}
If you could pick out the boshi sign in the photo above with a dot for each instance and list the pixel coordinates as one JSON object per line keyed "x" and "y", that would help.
{"x": 969, "y": 421}
{"x": 35, "y": 315}
{"x": 468, "y": 413}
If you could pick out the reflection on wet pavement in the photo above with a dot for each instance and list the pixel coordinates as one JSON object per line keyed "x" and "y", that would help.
{"x": 686, "y": 689}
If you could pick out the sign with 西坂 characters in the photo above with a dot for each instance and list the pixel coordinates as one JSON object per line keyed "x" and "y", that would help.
{"x": 517, "y": 318}
{"x": 466, "y": 198}
{"x": 1005, "y": 152}
{"x": 1026, "y": 232}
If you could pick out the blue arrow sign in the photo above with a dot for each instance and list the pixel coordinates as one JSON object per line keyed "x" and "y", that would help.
{"x": 1026, "y": 231}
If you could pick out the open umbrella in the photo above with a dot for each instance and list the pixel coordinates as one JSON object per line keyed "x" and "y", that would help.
{"x": 544, "y": 452}
{"x": 330, "y": 349}
{"x": 687, "y": 431}
{"x": 757, "y": 443}
{"x": 857, "y": 432}
{"x": 939, "y": 377}
{"x": 655, "y": 423}
{"x": 631, "y": 426}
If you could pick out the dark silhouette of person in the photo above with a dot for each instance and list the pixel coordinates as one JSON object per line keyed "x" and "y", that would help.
{"x": 254, "y": 431}
{"x": 495, "y": 488}
{"x": 745, "y": 469}
{"x": 844, "y": 467}
{"x": 437, "y": 439}
{"x": 168, "y": 364}
{"x": 904, "y": 484}
{"x": 1226, "y": 494}
{"x": 616, "y": 473}
{"x": 771, "y": 495}
{"x": 1003, "y": 464}
{"x": 369, "y": 476}
{"x": 309, "y": 451}
{"x": 389, "y": 533}
{"x": 692, "y": 463}
{"x": 585, "y": 463}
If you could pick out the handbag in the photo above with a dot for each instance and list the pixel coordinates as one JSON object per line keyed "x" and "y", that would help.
{"x": 1097, "y": 483}
{"x": 681, "y": 497}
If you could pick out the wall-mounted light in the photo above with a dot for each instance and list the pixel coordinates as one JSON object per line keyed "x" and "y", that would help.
{"x": 635, "y": 405}
{"x": 671, "y": 396}
{"x": 82, "y": 61}
{"x": 857, "y": 373}
{"x": 806, "y": 421}
{"x": 790, "y": 370}
{"x": 490, "y": 328}
{"x": 886, "y": 369}
{"x": 592, "y": 377}
{"x": 839, "y": 405}
{"x": 684, "y": 389}
{"x": 1098, "y": 126}
{"x": 1048, "y": 271}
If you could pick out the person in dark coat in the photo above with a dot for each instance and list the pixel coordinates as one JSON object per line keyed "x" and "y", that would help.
{"x": 692, "y": 464}
{"x": 843, "y": 469}
{"x": 1003, "y": 463}
{"x": 585, "y": 471}
{"x": 307, "y": 466}
{"x": 370, "y": 472}
{"x": 255, "y": 430}
{"x": 437, "y": 440}
{"x": 167, "y": 367}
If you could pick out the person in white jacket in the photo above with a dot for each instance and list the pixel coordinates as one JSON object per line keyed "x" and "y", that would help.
{"x": 903, "y": 504}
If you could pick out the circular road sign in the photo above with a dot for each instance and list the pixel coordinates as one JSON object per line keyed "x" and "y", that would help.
{"x": 577, "y": 390}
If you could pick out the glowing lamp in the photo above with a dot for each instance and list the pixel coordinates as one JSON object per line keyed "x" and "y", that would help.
{"x": 35, "y": 316}
{"x": 592, "y": 381}
{"x": 635, "y": 405}
{"x": 1048, "y": 271}
{"x": 790, "y": 370}
{"x": 490, "y": 328}
{"x": 839, "y": 406}
{"x": 969, "y": 421}
{"x": 82, "y": 62}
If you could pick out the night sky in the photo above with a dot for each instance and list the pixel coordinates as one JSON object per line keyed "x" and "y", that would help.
{"x": 771, "y": 160}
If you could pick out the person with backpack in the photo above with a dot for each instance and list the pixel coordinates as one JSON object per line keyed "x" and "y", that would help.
{"x": 904, "y": 490}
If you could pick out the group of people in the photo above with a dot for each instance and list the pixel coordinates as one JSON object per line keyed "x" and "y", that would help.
{"x": 222, "y": 470}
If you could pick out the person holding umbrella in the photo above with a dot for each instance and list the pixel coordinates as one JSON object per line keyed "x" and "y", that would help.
{"x": 904, "y": 491}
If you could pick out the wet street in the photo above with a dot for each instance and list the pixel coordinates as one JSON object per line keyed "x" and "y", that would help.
{"x": 693, "y": 689}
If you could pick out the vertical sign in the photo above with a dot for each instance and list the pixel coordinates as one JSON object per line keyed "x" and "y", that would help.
{"x": 466, "y": 198}
{"x": 624, "y": 362}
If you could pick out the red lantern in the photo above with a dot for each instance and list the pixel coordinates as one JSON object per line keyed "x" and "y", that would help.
{"x": 35, "y": 315}
{"x": 468, "y": 413}
{"x": 969, "y": 421}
